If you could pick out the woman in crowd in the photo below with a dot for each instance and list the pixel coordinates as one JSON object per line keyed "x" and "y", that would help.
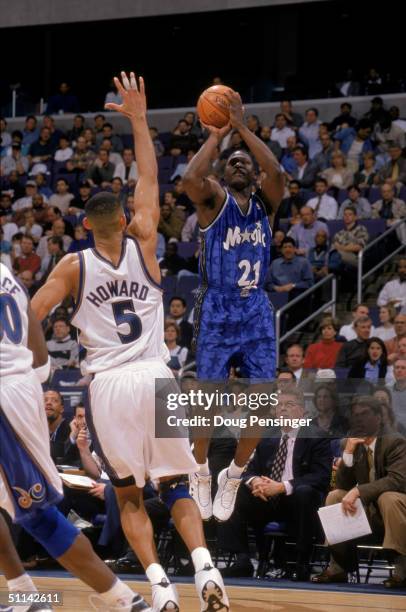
{"x": 328, "y": 418}
{"x": 178, "y": 353}
{"x": 374, "y": 366}
{"x": 386, "y": 330}
{"x": 323, "y": 354}
{"x": 383, "y": 395}
{"x": 338, "y": 175}
{"x": 366, "y": 177}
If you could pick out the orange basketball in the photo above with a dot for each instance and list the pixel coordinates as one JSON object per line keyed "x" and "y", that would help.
{"x": 212, "y": 106}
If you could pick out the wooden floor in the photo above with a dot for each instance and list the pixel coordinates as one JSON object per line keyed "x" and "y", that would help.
{"x": 243, "y": 599}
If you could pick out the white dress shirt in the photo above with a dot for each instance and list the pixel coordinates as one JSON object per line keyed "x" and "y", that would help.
{"x": 119, "y": 172}
{"x": 348, "y": 458}
{"x": 282, "y": 135}
{"x": 393, "y": 290}
{"x": 349, "y": 332}
{"x": 328, "y": 208}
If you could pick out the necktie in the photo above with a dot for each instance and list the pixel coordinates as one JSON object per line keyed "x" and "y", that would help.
{"x": 280, "y": 459}
{"x": 316, "y": 210}
{"x": 395, "y": 171}
{"x": 371, "y": 465}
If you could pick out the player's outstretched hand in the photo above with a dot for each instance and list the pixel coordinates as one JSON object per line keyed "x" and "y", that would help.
{"x": 219, "y": 133}
{"x": 236, "y": 109}
{"x": 134, "y": 104}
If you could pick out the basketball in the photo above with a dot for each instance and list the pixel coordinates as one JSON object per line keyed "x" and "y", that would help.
{"x": 212, "y": 106}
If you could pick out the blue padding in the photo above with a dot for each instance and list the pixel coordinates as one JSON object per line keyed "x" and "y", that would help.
{"x": 275, "y": 527}
{"x": 171, "y": 495}
{"x": 52, "y": 530}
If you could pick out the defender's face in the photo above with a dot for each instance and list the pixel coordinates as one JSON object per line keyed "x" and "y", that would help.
{"x": 239, "y": 171}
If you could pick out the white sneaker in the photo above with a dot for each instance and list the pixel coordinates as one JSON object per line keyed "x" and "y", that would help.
{"x": 165, "y": 597}
{"x": 138, "y": 604}
{"x": 211, "y": 591}
{"x": 200, "y": 490}
{"x": 224, "y": 502}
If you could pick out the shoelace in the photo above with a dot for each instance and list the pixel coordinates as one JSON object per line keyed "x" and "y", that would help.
{"x": 230, "y": 491}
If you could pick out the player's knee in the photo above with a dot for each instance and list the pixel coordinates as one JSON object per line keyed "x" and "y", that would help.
{"x": 172, "y": 490}
{"x": 51, "y": 529}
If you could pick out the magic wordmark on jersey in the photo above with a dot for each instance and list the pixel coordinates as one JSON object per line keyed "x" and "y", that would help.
{"x": 235, "y": 236}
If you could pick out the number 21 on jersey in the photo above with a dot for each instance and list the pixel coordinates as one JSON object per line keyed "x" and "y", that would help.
{"x": 247, "y": 270}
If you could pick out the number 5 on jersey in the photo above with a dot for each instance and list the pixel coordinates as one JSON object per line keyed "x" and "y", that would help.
{"x": 124, "y": 313}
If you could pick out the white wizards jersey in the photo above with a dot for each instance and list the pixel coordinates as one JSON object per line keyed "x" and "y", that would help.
{"x": 119, "y": 311}
{"x": 15, "y": 356}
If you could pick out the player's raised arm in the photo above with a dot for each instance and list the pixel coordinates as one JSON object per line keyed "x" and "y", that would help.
{"x": 62, "y": 282}
{"x": 146, "y": 196}
{"x": 273, "y": 184}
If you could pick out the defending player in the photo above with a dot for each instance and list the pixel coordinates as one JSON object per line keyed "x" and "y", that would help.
{"x": 30, "y": 485}
{"x": 233, "y": 317}
{"x": 119, "y": 313}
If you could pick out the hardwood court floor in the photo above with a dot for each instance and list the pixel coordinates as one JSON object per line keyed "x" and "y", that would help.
{"x": 243, "y": 599}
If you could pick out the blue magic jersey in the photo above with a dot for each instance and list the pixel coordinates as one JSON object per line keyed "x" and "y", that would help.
{"x": 235, "y": 253}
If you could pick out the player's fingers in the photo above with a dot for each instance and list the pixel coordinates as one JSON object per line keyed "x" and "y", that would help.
{"x": 125, "y": 80}
{"x": 133, "y": 81}
{"x": 112, "y": 106}
{"x": 142, "y": 85}
{"x": 119, "y": 86}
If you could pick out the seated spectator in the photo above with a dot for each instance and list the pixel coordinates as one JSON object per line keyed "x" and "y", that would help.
{"x": 321, "y": 259}
{"x": 90, "y": 136}
{"x": 55, "y": 254}
{"x": 42, "y": 149}
{"x": 59, "y": 429}
{"x": 62, "y": 196}
{"x": 83, "y": 240}
{"x": 391, "y": 209}
{"x": 63, "y": 351}
{"x": 127, "y": 169}
{"x": 373, "y": 469}
{"x": 114, "y": 157}
{"x": 373, "y": 366}
{"x": 353, "y": 351}
{"x": 171, "y": 263}
{"x": 273, "y": 145}
{"x": 290, "y": 207}
{"x": 328, "y": 418}
{"x": 158, "y": 146}
{"x": 58, "y": 229}
{"x": 177, "y": 352}
{"x": 349, "y": 86}
{"x": 348, "y": 331}
{"x": 344, "y": 119}
{"x": 387, "y": 315}
{"x": 287, "y": 160}
{"x": 323, "y": 354}
{"x": 323, "y": 159}
{"x": 350, "y": 240}
{"x": 30, "y": 131}
{"x": 30, "y": 228}
{"x": 99, "y": 121}
{"x": 181, "y": 168}
{"x": 193, "y": 122}
{"x": 254, "y": 124}
{"x": 361, "y": 205}
{"x": 190, "y": 231}
{"x": 170, "y": 223}
{"x": 182, "y": 140}
{"x": 281, "y": 132}
{"x": 394, "y": 291}
{"x": 394, "y": 172}
{"x": 77, "y": 205}
{"x": 117, "y": 190}
{"x": 26, "y": 201}
{"x": 309, "y": 132}
{"x": 276, "y": 248}
{"x": 392, "y": 346}
{"x": 388, "y": 134}
{"x": 284, "y": 379}
{"x": 107, "y": 133}
{"x": 16, "y": 161}
{"x": 290, "y": 272}
{"x": 28, "y": 280}
{"x": 77, "y": 128}
{"x": 49, "y": 122}
{"x": 177, "y": 313}
{"x": 306, "y": 171}
{"x": 112, "y": 95}
{"x": 100, "y": 173}
{"x": 384, "y": 397}
{"x": 294, "y": 360}
{"x": 64, "y": 152}
{"x": 82, "y": 156}
{"x": 304, "y": 233}
{"x": 354, "y": 142}
{"x": 338, "y": 175}
{"x": 325, "y": 207}
{"x": 28, "y": 260}
{"x": 286, "y": 480}
{"x": 293, "y": 119}
{"x": 398, "y": 390}
{"x": 42, "y": 187}
{"x": 367, "y": 177}
{"x": 64, "y": 101}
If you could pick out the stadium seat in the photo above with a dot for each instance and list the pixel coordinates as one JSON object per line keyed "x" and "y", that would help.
{"x": 374, "y": 194}
{"x": 187, "y": 249}
{"x": 342, "y": 196}
{"x": 185, "y": 286}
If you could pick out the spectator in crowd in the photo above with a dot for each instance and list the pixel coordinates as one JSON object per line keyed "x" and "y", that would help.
{"x": 350, "y": 240}
{"x": 394, "y": 172}
{"x": 353, "y": 351}
{"x": 373, "y": 469}
{"x": 309, "y": 132}
{"x": 28, "y": 280}
{"x": 396, "y": 119}
{"x": 376, "y": 112}
{"x": 64, "y": 152}
{"x": 58, "y": 229}
{"x": 28, "y": 260}
{"x": 323, "y": 159}
{"x": 42, "y": 188}
{"x": 290, "y": 273}
{"x": 62, "y": 197}
{"x": 42, "y": 150}
{"x": 101, "y": 171}
{"x": 276, "y": 248}
{"x": 171, "y": 262}
{"x": 344, "y": 119}
{"x": 182, "y": 140}
{"x": 99, "y": 121}
{"x": 108, "y": 133}
{"x": 348, "y": 331}
{"x": 384, "y": 397}
{"x": 16, "y": 161}
{"x": 63, "y": 351}
{"x": 386, "y": 331}
{"x": 181, "y": 167}
{"x": 117, "y": 190}
{"x": 158, "y": 146}
{"x": 127, "y": 169}
{"x": 325, "y": 207}
{"x": 294, "y": 360}
{"x": 398, "y": 391}
{"x": 304, "y": 233}
{"x": 392, "y": 346}
{"x": 5, "y": 135}
{"x": 394, "y": 291}
{"x": 177, "y": 352}
{"x": 49, "y": 122}
{"x": 321, "y": 259}
{"x": 83, "y": 240}
{"x": 373, "y": 366}
{"x": 82, "y": 156}
{"x": 30, "y": 228}
{"x": 281, "y": 132}
{"x": 177, "y": 312}
{"x": 290, "y": 207}
{"x": 328, "y": 418}
{"x": 284, "y": 378}
{"x": 59, "y": 429}
{"x": 306, "y": 171}
{"x": 55, "y": 254}
{"x": 77, "y": 128}
{"x": 349, "y": 86}
{"x": 112, "y": 95}
{"x": 294, "y": 120}
{"x": 338, "y": 176}
{"x": 254, "y": 124}
{"x": 361, "y": 205}
{"x": 31, "y": 189}
{"x": 273, "y": 145}
{"x": 14, "y": 187}
{"x": 388, "y": 134}
{"x": 191, "y": 120}
{"x": 30, "y": 131}
{"x": 90, "y": 136}
{"x": 354, "y": 142}
{"x": 391, "y": 209}
{"x": 367, "y": 177}
{"x": 77, "y": 205}
{"x": 190, "y": 231}
{"x": 287, "y": 480}
{"x": 114, "y": 157}
{"x": 323, "y": 354}
{"x": 64, "y": 101}
{"x": 170, "y": 223}
{"x": 8, "y": 227}
{"x": 288, "y": 161}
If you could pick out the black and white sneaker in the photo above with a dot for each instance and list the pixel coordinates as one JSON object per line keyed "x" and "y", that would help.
{"x": 211, "y": 590}
{"x": 165, "y": 597}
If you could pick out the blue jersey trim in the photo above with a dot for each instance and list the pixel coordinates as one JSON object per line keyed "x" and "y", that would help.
{"x": 82, "y": 272}
{"x": 107, "y": 261}
{"x": 220, "y": 212}
{"x": 143, "y": 264}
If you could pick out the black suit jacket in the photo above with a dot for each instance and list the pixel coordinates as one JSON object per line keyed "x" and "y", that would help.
{"x": 312, "y": 460}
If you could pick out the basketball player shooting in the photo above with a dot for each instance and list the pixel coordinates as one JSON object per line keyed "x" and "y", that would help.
{"x": 233, "y": 317}
{"x": 119, "y": 313}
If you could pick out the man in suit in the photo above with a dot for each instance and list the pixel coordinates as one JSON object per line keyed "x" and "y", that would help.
{"x": 177, "y": 311}
{"x": 356, "y": 349}
{"x": 287, "y": 480}
{"x": 373, "y": 469}
{"x": 306, "y": 171}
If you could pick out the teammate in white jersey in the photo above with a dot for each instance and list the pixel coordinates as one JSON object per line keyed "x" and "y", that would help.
{"x": 30, "y": 485}
{"x": 119, "y": 312}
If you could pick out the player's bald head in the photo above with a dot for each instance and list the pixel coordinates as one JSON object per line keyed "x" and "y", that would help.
{"x": 104, "y": 213}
